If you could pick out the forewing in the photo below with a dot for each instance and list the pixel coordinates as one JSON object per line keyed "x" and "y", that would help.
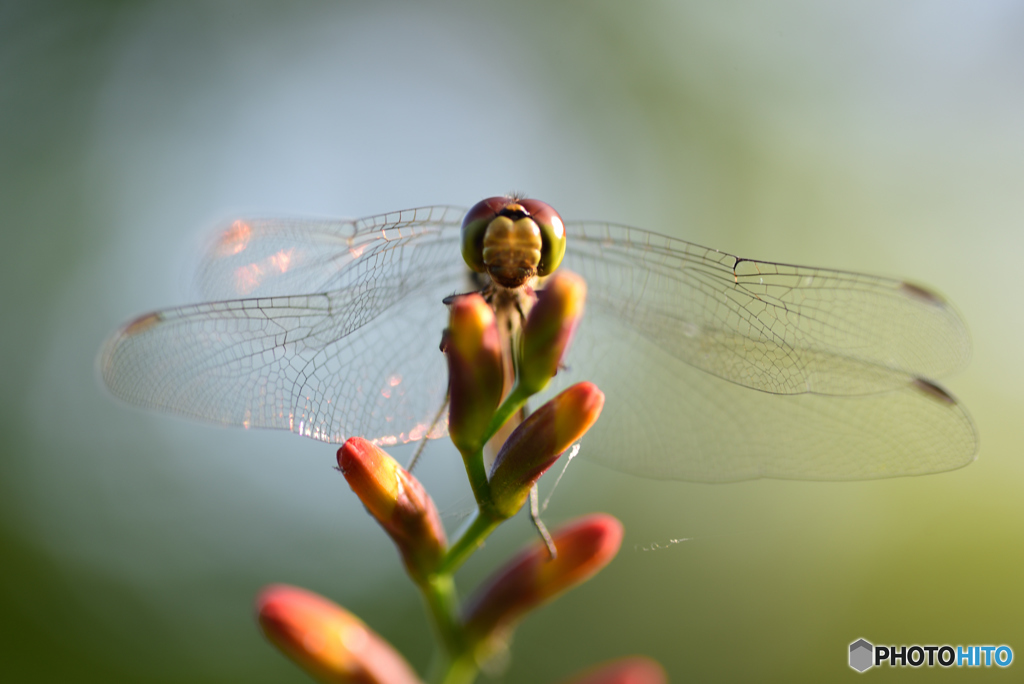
{"x": 675, "y": 334}
{"x": 359, "y": 358}
{"x": 279, "y": 256}
{"x": 771, "y": 327}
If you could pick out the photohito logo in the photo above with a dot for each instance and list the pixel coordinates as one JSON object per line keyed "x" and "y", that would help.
{"x": 864, "y": 655}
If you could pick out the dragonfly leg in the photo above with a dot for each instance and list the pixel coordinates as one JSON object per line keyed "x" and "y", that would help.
{"x": 423, "y": 442}
{"x": 542, "y": 530}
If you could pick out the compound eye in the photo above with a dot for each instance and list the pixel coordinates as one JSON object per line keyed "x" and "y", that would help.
{"x": 552, "y": 233}
{"x": 474, "y": 225}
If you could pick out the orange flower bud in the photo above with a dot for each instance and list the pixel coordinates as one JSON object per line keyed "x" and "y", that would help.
{"x": 326, "y": 640}
{"x": 632, "y": 670}
{"x": 549, "y": 329}
{"x": 475, "y": 371}
{"x": 399, "y": 503}
{"x": 537, "y": 443}
{"x": 532, "y": 578}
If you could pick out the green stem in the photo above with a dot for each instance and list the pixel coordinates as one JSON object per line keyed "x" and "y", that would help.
{"x": 460, "y": 665}
{"x": 470, "y": 538}
{"x": 456, "y": 665}
{"x": 461, "y": 671}
{"x": 478, "y": 477}
{"x": 439, "y": 592}
{"x": 515, "y": 400}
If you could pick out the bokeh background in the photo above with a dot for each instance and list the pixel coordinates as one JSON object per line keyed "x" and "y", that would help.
{"x": 877, "y": 137}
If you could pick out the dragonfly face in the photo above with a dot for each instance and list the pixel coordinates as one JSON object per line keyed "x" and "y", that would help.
{"x": 513, "y": 240}
{"x": 714, "y": 368}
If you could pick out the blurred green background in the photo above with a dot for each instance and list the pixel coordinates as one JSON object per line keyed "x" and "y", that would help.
{"x": 877, "y": 137}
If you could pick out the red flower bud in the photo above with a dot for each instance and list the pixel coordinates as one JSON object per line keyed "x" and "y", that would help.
{"x": 549, "y": 329}
{"x": 475, "y": 371}
{"x": 584, "y": 546}
{"x": 399, "y": 503}
{"x": 632, "y": 670}
{"x": 537, "y": 443}
{"x": 326, "y": 640}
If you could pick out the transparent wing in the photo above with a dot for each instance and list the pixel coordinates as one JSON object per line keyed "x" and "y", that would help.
{"x": 772, "y": 327}
{"x": 279, "y": 256}
{"x": 360, "y": 357}
{"x": 675, "y": 334}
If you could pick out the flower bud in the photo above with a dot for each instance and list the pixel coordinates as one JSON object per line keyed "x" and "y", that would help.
{"x": 399, "y": 503}
{"x": 549, "y": 329}
{"x": 475, "y": 371}
{"x": 537, "y": 443}
{"x": 326, "y": 640}
{"x": 532, "y": 578}
{"x": 632, "y": 670}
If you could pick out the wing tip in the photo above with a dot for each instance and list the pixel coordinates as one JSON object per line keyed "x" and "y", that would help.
{"x": 922, "y": 293}
{"x": 934, "y": 391}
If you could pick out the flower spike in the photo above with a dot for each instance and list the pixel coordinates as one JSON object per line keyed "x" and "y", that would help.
{"x": 631, "y": 670}
{"x": 326, "y": 640}
{"x": 549, "y": 329}
{"x": 399, "y": 503}
{"x": 475, "y": 371}
{"x": 531, "y": 579}
{"x": 537, "y": 443}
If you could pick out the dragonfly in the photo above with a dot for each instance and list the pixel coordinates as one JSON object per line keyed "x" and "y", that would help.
{"x": 715, "y": 368}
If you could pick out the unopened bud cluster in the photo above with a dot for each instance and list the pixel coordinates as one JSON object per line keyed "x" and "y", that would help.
{"x": 491, "y": 376}
{"x": 482, "y": 397}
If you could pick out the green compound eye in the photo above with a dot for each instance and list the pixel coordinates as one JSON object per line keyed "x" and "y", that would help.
{"x": 474, "y": 226}
{"x": 552, "y": 232}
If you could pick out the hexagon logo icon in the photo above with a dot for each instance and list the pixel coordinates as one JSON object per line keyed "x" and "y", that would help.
{"x": 861, "y": 655}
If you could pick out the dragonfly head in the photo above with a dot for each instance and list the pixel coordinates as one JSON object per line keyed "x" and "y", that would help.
{"x": 513, "y": 239}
